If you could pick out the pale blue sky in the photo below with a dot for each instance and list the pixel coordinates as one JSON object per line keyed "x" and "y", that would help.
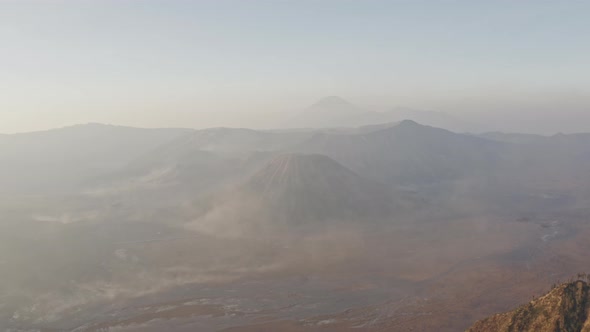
{"x": 204, "y": 63}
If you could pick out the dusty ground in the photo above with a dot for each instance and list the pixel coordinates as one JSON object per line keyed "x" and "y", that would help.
{"x": 435, "y": 277}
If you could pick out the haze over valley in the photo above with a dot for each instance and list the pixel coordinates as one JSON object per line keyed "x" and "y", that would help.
{"x": 296, "y": 166}
{"x": 367, "y": 227}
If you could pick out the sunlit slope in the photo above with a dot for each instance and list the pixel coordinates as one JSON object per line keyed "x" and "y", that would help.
{"x": 563, "y": 309}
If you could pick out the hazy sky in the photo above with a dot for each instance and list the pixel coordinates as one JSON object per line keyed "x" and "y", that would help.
{"x": 203, "y": 63}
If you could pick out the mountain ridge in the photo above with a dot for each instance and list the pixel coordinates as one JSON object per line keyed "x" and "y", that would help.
{"x": 564, "y": 309}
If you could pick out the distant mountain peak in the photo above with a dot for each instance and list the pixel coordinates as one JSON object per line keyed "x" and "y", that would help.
{"x": 331, "y": 111}
{"x": 314, "y": 187}
{"x": 294, "y": 167}
{"x": 408, "y": 123}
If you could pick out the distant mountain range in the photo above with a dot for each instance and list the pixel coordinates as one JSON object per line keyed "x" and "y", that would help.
{"x": 103, "y": 190}
{"x": 60, "y": 160}
{"x": 334, "y": 111}
{"x": 405, "y": 157}
{"x": 407, "y": 153}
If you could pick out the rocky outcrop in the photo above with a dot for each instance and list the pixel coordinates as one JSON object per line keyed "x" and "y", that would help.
{"x": 563, "y": 309}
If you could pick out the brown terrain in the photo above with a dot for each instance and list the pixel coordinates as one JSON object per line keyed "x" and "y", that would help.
{"x": 401, "y": 227}
{"x": 564, "y": 308}
{"x": 443, "y": 289}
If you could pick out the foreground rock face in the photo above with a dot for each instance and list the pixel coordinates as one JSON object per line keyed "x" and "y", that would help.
{"x": 563, "y": 309}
